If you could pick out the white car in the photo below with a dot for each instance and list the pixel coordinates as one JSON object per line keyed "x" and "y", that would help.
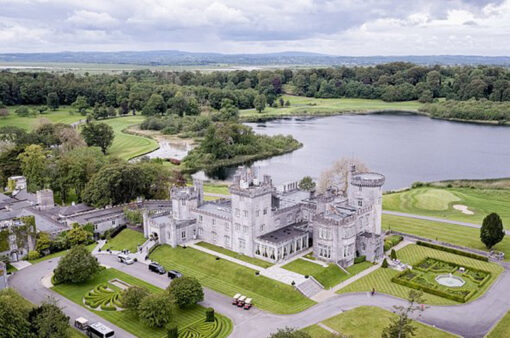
{"x": 123, "y": 258}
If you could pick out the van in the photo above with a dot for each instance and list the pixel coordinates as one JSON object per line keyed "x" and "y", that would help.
{"x": 155, "y": 267}
{"x": 99, "y": 330}
{"x": 123, "y": 258}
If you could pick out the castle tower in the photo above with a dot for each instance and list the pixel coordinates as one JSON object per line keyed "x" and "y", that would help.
{"x": 364, "y": 190}
{"x": 251, "y": 209}
{"x": 183, "y": 200}
{"x": 198, "y": 184}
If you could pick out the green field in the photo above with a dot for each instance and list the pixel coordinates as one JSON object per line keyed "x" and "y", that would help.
{"x": 230, "y": 278}
{"x": 300, "y": 105}
{"x": 129, "y": 322}
{"x": 368, "y": 322}
{"x": 127, "y": 146}
{"x": 501, "y": 329}
{"x": 328, "y": 277}
{"x": 439, "y": 202}
{"x": 450, "y": 233}
{"x": 247, "y": 259}
{"x": 126, "y": 239}
{"x": 63, "y": 114}
{"x": 380, "y": 279}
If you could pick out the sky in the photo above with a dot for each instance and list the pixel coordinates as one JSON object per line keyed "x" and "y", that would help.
{"x": 337, "y": 27}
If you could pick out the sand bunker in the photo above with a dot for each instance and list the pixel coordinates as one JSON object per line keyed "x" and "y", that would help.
{"x": 463, "y": 208}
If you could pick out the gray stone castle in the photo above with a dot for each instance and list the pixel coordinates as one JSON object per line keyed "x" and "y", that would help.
{"x": 273, "y": 224}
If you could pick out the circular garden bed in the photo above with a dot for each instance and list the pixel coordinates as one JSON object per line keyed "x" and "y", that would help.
{"x": 104, "y": 298}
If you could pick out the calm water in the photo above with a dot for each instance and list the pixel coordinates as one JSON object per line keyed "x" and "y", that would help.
{"x": 405, "y": 148}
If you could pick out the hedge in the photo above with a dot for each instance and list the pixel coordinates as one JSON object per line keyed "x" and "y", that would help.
{"x": 360, "y": 259}
{"x": 453, "y": 251}
{"x": 391, "y": 241}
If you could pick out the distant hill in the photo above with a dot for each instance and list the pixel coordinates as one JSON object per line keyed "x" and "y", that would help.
{"x": 180, "y": 58}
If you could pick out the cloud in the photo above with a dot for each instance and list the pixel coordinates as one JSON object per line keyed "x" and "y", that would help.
{"x": 347, "y": 27}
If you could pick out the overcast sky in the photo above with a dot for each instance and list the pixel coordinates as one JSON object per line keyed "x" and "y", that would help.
{"x": 340, "y": 27}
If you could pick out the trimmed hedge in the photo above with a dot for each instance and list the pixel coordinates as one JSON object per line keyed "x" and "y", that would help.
{"x": 391, "y": 241}
{"x": 209, "y": 314}
{"x": 453, "y": 251}
{"x": 360, "y": 259}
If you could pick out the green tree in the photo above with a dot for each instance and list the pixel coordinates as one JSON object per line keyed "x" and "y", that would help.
{"x": 48, "y": 321}
{"x": 228, "y": 111}
{"x": 133, "y": 216}
{"x": 133, "y": 296}
{"x": 43, "y": 242}
{"x": 426, "y": 96}
{"x": 402, "y": 326}
{"x": 492, "y": 231}
{"x": 393, "y": 254}
{"x": 52, "y": 101}
{"x": 186, "y": 291}
{"x": 77, "y": 236}
{"x": 77, "y": 266}
{"x": 98, "y": 134}
{"x": 155, "y": 310}
{"x": 306, "y": 183}
{"x": 155, "y": 105}
{"x": 13, "y": 315}
{"x": 289, "y": 333}
{"x": 384, "y": 264}
{"x": 260, "y": 103}
{"x": 33, "y": 164}
{"x": 81, "y": 105}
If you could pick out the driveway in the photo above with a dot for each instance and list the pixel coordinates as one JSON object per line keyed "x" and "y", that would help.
{"x": 469, "y": 320}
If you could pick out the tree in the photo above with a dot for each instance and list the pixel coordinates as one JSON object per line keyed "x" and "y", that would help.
{"x": 155, "y": 105}
{"x": 336, "y": 176}
{"x": 186, "y": 291}
{"x": 81, "y": 105}
{"x": 228, "y": 111}
{"x": 98, "y": 134}
{"x": 384, "y": 264}
{"x": 260, "y": 103}
{"x": 13, "y": 315}
{"x": 402, "y": 326}
{"x": 77, "y": 266}
{"x": 306, "y": 183}
{"x": 289, "y": 333}
{"x": 48, "y": 320}
{"x": 77, "y": 236}
{"x": 426, "y": 96}
{"x": 34, "y": 167}
{"x": 133, "y": 296}
{"x": 52, "y": 100}
{"x": 43, "y": 242}
{"x": 393, "y": 254}
{"x": 22, "y": 111}
{"x": 155, "y": 310}
{"x": 492, "y": 231}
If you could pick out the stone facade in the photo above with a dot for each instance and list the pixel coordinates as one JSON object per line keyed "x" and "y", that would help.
{"x": 3, "y": 276}
{"x": 274, "y": 224}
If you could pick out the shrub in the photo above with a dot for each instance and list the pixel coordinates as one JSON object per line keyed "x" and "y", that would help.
{"x": 454, "y": 251}
{"x": 360, "y": 259}
{"x": 171, "y": 330}
{"x": 77, "y": 266}
{"x": 384, "y": 264}
{"x": 186, "y": 291}
{"x": 133, "y": 296}
{"x": 393, "y": 254}
{"x": 33, "y": 255}
{"x": 155, "y": 310}
{"x": 209, "y": 314}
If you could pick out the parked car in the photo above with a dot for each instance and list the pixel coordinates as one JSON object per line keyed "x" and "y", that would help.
{"x": 155, "y": 267}
{"x": 236, "y": 298}
{"x": 99, "y": 330}
{"x": 81, "y": 323}
{"x": 174, "y": 274}
{"x": 240, "y": 301}
{"x": 123, "y": 258}
{"x": 247, "y": 304}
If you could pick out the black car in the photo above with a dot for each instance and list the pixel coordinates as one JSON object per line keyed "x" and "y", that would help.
{"x": 174, "y": 274}
{"x": 155, "y": 267}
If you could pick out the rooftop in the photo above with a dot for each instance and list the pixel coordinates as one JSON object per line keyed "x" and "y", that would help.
{"x": 283, "y": 234}
{"x": 222, "y": 208}
{"x": 338, "y": 212}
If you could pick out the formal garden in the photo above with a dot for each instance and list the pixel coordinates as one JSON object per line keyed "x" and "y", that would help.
{"x": 427, "y": 264}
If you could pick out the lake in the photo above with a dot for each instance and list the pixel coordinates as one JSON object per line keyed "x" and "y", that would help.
{"x": 405, "y": 148}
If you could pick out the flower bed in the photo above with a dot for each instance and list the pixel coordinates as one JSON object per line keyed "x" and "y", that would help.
{"x": 104, "y": 297}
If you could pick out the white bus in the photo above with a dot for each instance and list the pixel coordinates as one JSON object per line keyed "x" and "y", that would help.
{"x": 99, "y": 330}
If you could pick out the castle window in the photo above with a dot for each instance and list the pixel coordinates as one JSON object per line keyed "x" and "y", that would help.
{"x": 214, "y": 236}
{"x": 227, "y": 226}
{"x": 213, "y": 221}
{"x": 183, "y": 235}
{"x": 262, "y": 227}
{"x": 265, "y": 211}
{"x": 360, "y": 203}
{"x": 238, "y": 226}
{"x": 183, "y": 202}
{"x": 257, "y": 213}
{"x": 200, "y": 219}
{"x": 245, "y": 229}
{"x": 245, "y": 213}
{"x": 237, "y": 212}
{"x": 227, "y": 241}
{"x": 200, "y": 231}
{"x": 242, "y": 243}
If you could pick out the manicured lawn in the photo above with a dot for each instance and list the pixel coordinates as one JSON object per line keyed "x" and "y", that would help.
{"x": 247, "y": 259}
{"x": 315, "y": 331}
{"x": 439, "y": 202}
{"x": 450, "y": 233}
{"x": 300, "y": 105}
{"x": 501, "y": 329}
{"x": 216, "y": 189}
{"x": 369, "y": 322}
{"x": 328, "y": 277}
{"x": 126, "y": 239}
{"x": 89, "y": 247}
{"x": 76, "y": 292}
{"x": 380, "y": 279}
{"x": 127, "y": 146}
{"x": 63, "y": 114}
{"x": 230, "y": 278}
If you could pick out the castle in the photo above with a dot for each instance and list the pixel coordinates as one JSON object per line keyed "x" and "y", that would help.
{"x": 273, "y": 224}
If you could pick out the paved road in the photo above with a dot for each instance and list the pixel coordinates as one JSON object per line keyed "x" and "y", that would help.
{"x": 471, "y": 320}
{"x": 435, "y": 219}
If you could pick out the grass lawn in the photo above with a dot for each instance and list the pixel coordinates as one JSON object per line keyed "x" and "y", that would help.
{"x": 328, "y": 277}
{"x": 451, "y": 233}
{"x": 230, "y": 278}
{"x": 126, "y": 239}
{"x": 439, "y": 202}
{"x": 89, "y": 247}
{"x": 369, "y": 322}
{"x": 380, "y": 279}
{"x": 501, "y": 329}
{"x": 300, "y": 105}
{"x": 247, "y": 259}
{"x": 127, "y": 146}
{"x": 75, "y": 293}
{"x": 63, "y": 114}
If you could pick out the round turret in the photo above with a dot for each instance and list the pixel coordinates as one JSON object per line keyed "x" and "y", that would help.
{"x": 367, "y": 180}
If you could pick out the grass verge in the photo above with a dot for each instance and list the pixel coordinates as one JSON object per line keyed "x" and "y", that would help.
{"x": 244, "y": 258}
{"x": 501, "y": 329}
